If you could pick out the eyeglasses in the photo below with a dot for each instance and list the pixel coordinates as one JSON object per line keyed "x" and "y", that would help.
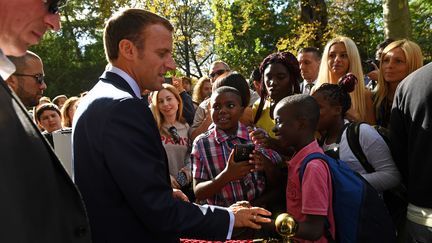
{"x": 174, "y": 134}
{"x": 54, "y": 5}
{"x": 40, "y": 78}
{"x": 218, "y": 73}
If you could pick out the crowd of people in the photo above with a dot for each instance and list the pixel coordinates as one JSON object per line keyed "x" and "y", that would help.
{"x": 156, "y": 159}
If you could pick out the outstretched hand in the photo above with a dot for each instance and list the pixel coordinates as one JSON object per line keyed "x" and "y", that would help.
{"x": 251, "y": 217}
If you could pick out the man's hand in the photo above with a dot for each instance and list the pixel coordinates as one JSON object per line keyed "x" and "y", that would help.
{"x": 240, "y": 204}
{"x": 180, "y": 195}
{"x": 251, "y": 217}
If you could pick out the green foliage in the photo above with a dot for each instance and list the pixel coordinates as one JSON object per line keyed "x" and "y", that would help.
{"x": 74, "y": 57}
{"x": 421, "y": 19}
{"x": 361, "y": 20}
{"x": 245, "y": 32}
{"x": 240, "y": 32}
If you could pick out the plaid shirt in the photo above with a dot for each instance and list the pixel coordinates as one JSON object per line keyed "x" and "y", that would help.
{"x": 210, "y": 152}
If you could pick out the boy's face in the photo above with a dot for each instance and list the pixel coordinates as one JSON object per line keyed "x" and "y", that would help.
{"x": 328, "y": 113}
{"x": 50, "y": 120}
{"x": 226, "y": 111}
{"x": 287, "y": 127}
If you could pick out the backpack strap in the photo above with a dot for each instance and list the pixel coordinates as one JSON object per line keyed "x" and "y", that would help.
{"x": 353, "y": 138}
{"x": 308, "y": 159}
{"x": 305, "y": 161}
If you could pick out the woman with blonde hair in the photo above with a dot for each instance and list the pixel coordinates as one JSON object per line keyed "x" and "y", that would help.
{"x": 340, "y": 57}
{"x": 68, "y": 111}
{"x": 202, "y": 90}
{"x": 167, "y": 107}
{"x": 398, "y": 60}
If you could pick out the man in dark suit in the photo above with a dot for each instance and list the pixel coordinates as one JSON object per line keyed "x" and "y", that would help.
{"x": 309, "y": 59}
{"x": 39, "y": 202}
{"x": 120, "y": 164}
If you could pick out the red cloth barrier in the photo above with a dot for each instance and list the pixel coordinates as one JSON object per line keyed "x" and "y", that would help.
{"x": 206, "y": 241}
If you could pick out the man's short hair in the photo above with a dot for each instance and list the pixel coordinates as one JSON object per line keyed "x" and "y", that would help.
{"x": 21, "y": 62}
{"x": 304, "y": 106}
{"x": 129, "y": 24}
{"x": 219, "y": 62}
{"x": 313, "y": 50}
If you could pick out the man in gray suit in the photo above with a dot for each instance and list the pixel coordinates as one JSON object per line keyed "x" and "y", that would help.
{"x": 39, "y": 202}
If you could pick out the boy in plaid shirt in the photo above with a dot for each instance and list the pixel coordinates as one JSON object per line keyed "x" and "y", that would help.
{"x": 217, "y": 178}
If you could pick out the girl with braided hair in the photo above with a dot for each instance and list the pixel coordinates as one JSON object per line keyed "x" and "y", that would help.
{"x": 280, "y": 75}
{"x": 334, "y": 101}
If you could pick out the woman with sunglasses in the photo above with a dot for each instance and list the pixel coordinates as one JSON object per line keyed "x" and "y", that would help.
{"x": 167, "y": 109}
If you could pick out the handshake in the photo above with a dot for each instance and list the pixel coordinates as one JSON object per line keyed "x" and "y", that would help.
{"x": 248, "y": 216}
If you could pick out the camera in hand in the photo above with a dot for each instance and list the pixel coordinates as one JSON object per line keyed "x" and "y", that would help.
{"x": 242, "y": 151}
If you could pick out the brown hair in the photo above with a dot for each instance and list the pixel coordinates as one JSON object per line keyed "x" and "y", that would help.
{"x": 159, "y": 118}
{"x": 66, "y": 120}
{"x": 129, "y": 24}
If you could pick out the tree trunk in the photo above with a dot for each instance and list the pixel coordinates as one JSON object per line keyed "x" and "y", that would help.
{"x": 314, "y": 12}
{"x": 397, "y": 22}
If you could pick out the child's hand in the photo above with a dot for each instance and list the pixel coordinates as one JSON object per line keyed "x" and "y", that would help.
{"x": 258, "y": 160}
{"x": 259, "y": 137}
{"x": 237, "y": 170}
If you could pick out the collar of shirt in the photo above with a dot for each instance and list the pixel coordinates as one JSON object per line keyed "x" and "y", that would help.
{"x": 132, "y": 83}
{"x": 7, "y": 68}
{"x": 242, "y": 133}
{"x": 305, "y": 151}
{"x": 306, "y": 82}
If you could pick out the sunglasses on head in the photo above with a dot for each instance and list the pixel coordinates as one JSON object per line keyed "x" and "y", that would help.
{"x": 174, "y": 134}
{"x": 40, "y": 78}
{"x": 54, "y": 5}
{"x": 218, "y": 72}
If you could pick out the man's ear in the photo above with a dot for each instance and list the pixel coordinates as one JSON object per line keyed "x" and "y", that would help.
{"x": 12, "y": 81}
{"x": 127, "y": 49}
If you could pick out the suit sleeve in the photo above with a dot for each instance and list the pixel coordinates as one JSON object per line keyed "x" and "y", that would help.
{"x": 138, "y": 165}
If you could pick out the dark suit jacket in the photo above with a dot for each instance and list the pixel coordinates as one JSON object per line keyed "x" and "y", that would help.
{"x": 39, "y": 202}
{"x": 122, "y": 170}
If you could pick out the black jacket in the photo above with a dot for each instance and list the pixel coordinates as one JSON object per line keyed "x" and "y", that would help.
{"x": 39, "y": 202}
{"x": 411, "y": 135}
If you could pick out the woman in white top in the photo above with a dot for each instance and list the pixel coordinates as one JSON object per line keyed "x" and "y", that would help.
{"x": 167, "y": 111}
{"x": 334, "y": 101}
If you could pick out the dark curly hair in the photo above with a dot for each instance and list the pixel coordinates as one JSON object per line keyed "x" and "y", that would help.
{"x": 288, "y": 60}
{"x": 338, "y": 94}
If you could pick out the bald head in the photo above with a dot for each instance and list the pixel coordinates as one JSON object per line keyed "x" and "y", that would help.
{"x": 27, "y": 81}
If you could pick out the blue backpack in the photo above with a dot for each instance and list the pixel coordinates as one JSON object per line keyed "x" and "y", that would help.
{"x": 359, "y": 212}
